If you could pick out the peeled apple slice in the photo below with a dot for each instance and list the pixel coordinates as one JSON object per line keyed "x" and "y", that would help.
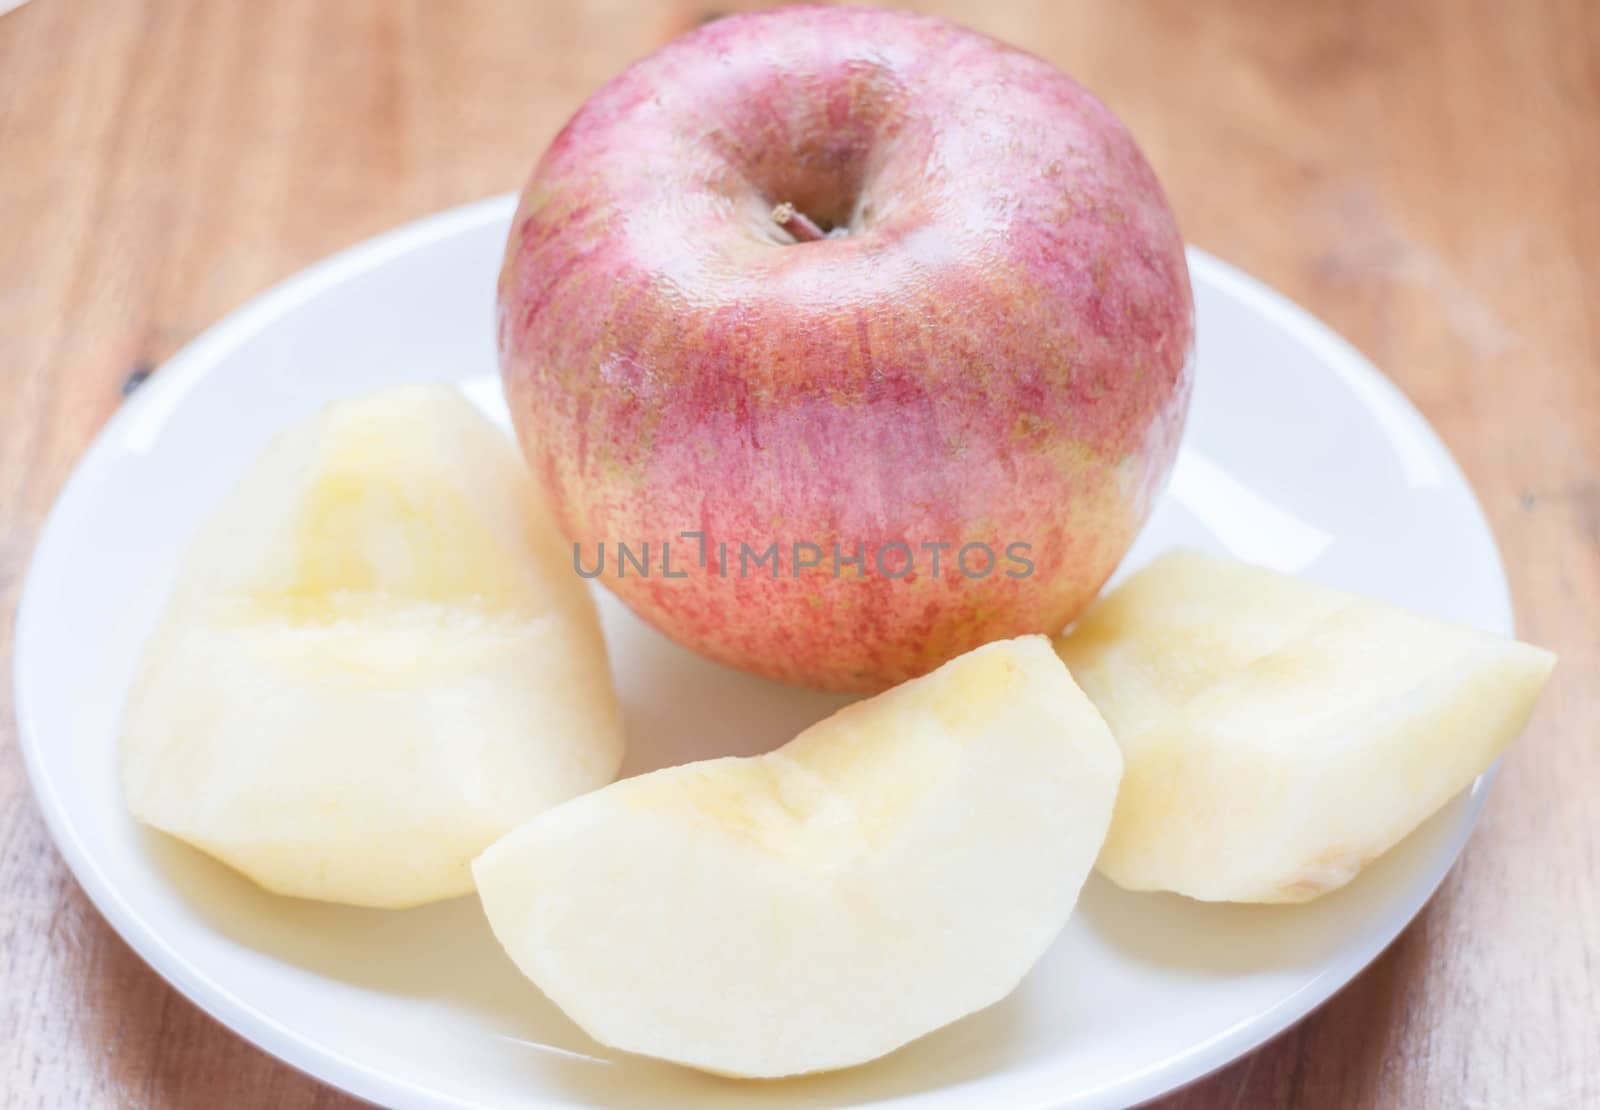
{"x": 1279, "y": 735}
{"x": 891, "y": 869}
{"x": 375, "y": 663}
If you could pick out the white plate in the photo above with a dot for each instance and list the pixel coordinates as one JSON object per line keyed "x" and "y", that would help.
{"x": 1298, "y": 455}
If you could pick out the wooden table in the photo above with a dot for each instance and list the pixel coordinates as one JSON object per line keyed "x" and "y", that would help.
{"x": 1421, "y": 175}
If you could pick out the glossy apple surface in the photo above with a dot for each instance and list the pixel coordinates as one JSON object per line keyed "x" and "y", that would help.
{"x": 991, "y": 345}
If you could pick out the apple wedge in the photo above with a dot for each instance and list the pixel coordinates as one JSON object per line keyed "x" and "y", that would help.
{"x": 891, "y": 869}
{"x": 375, "y": 663}
{"x": 1280, "y": 735}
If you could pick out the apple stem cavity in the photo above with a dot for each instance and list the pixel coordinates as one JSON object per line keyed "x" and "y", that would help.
{"x": 797, "y": 223}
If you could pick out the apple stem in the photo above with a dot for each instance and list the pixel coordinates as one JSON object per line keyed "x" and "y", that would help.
{"x": 797, "y": 223}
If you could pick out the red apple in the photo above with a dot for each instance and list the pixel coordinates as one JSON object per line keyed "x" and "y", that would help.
{"x": 847, "y": 281}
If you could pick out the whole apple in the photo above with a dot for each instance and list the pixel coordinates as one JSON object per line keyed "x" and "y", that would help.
{"x": 846, "y": 340}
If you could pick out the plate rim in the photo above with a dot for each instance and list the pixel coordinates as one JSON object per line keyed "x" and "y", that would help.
{"x": 201, "y": 355}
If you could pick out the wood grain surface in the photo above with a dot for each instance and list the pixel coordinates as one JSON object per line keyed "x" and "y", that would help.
{"x": 1421, "y": 175}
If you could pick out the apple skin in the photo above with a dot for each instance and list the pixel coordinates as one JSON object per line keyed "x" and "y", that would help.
{"x": 996, "y": 347}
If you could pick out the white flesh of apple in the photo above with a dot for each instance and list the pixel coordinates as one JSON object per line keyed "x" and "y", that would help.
{"x": 893, "y": 868}
{"x": 1280, "y": 735}
{"x": 375, "y": 663}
